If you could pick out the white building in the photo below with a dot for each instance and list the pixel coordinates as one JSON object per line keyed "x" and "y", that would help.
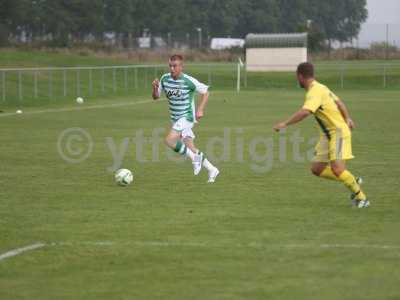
{"x": 275, "y": 52}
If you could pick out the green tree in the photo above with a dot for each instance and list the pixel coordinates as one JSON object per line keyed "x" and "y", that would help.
{"x": 63, "y": 19}
{"x": 339, "y": 20}
{"x": 11, "y": 17}
{"x": 257, "y": 16}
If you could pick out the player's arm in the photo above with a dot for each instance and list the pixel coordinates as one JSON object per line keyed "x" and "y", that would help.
{"x": 345, "y": 113}
{"x": 202, "y": 89}
{"x": 156, "y": 89}
{"x": 202, "y": 105}
{"x": 295, "y": 118}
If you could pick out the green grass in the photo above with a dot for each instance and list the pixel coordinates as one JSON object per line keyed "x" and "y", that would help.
{"x": 11, "y": 58}
{"x": 172, "y": 236}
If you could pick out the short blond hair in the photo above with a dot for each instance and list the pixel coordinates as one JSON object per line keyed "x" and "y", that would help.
{"x": 176, "y": 57}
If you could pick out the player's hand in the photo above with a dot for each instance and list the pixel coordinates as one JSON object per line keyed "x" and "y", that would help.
{"x": 199, "y": 114}
{"x": 278, "y": 127}
{"x": 156, "y": 83}
{"x": 350, "y": 123}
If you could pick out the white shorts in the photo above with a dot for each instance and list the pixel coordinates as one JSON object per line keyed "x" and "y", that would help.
{"x": 184, "y": 127}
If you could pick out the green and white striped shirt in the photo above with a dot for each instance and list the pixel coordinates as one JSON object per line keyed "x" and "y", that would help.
{"x": 180, "y": 94}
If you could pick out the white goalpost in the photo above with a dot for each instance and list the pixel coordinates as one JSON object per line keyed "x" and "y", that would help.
{"x": 240, "y": 65}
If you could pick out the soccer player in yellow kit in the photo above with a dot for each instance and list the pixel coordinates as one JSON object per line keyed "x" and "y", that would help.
{"x": 334, "y": 146}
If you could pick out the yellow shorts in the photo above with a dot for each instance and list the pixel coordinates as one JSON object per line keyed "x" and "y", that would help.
{"x": 336, "y": 148}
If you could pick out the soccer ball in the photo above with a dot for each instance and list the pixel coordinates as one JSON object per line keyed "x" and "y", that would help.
{"x": 123, "y": 177}
{"x": 79, "y": 100}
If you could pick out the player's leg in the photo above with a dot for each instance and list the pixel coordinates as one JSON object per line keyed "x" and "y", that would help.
{"x": 337, "y": 171}
{"x": 189, "y": 142}
{"x": 323, "y": 170}
{"x": 340, "y": 150}
{"x": 321, "y": 165}
{"x": 187, "y": 138}
{"x": 330, "y": 163}
{"x": 175, "y": 137}
{"x": 348, "y": 179}
{"x": 172, "y": 138}
{"x": 180, "y": 139}
{"x": 174, "y": 141}
{"x": 200, "y": 160}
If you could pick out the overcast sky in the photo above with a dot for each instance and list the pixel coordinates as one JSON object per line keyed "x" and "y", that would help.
{"x": 380, "y": 13}
{"x": 383, "y": 11}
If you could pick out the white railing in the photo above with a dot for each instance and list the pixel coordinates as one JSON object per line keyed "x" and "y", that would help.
{"x": 28, "y": 84}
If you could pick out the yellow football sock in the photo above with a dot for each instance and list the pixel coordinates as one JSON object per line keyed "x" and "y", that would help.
{"x": 351, "y": 183}
{"x": 328, "y": 174}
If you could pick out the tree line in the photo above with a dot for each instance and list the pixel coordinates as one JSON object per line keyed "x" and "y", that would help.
{"x": 64, "y": 21}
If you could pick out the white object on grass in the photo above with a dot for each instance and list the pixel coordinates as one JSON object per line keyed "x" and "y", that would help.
{"x": 123, "y": 177}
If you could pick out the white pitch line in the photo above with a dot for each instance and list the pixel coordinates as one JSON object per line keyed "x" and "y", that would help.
{"x": 19, "y": 251}
{"x": 219, "y": 245}
{"x": 98, "y": 243}
{"x": 68, "y": 109}
{"x": 254, "y": 245}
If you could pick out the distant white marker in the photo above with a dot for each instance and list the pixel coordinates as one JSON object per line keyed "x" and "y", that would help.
{"x": 19, "y": 111}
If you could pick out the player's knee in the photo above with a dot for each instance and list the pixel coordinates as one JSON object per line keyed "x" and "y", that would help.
{"x": 188, "y": 142}
{"x": 337, "y": 170}
{"x": 316, "y": 171}
{"x": 170, "y": 142}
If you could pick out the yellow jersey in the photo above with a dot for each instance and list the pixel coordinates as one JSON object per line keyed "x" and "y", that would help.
{"x": 322, "y": 103}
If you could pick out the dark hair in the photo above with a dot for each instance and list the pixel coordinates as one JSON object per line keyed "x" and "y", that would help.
{"x": 176, "y": 57}
{"x": 306, "y": 69}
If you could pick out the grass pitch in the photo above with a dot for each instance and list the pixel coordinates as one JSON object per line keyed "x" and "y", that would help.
{"x": 279, "y": 234}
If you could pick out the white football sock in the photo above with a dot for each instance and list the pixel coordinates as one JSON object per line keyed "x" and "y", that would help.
{"x": 206, "y": 164}
{"x": 190, "y": 154}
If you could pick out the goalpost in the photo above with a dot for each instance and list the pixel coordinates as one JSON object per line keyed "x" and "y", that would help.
{"x": 240, "y": 65}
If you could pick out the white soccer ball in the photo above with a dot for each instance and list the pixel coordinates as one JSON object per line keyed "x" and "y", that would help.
{"x": 19, "y": 111}
{"x": 79, "y": 100}
{"x": 123, "y": 177}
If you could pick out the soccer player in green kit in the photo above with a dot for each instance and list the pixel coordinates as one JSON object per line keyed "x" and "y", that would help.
{"x": 180, "y": 90}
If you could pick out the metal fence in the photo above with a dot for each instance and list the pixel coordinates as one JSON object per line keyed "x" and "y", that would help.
{"x": 28, "y": 85}
{"x": 38, "y": 85}
{"x": 19, "y": 84}
{"x": 335, "y": 74}
{"x": 361, "y": 74}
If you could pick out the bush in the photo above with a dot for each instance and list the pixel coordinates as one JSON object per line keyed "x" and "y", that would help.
{"x": 383, "y": 46}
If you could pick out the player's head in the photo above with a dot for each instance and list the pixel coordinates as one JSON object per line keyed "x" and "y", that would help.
{"x": 305, "y": 73}
{"x": 176, "y": 65}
